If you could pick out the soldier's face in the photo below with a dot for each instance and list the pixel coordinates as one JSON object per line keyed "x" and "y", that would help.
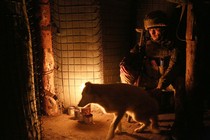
{"x": 155, "y": 33}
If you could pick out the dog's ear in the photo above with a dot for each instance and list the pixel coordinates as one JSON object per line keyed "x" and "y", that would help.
{"x": 88, "y": 87}
{"x": 88, "y": 83}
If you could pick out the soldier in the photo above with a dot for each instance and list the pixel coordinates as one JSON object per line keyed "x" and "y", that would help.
{"x": 162, "y": 66}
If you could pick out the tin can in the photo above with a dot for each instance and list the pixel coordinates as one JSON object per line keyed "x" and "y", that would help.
{"x": 77, "y": 113}
{"x": 88, "y": 119}
{"x": 71, "y": 111}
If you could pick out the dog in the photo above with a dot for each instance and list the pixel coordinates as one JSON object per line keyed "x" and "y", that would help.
{"x": 120, "y": 98}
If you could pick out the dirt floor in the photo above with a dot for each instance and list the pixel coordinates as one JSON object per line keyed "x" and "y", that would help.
{"x": 66, "y": 127}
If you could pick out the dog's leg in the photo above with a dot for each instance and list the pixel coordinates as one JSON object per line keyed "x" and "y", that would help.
{"x": 154, "y": 125}
{"x": 119, "y": 128}
{"x": 114, "y": 125}
{"x": 143, "y": 122}
{"x": 129, "y": 118}
{"x": 142, "y": 126}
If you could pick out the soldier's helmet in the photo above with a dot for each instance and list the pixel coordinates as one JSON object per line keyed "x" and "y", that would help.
{"x": 154, "y": 19}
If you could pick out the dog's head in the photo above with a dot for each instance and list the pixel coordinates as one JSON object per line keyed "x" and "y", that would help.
{"x": 87, "y": 96}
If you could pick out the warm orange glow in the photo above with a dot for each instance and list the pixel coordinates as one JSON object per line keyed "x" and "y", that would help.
{"x": 82, "y": 86}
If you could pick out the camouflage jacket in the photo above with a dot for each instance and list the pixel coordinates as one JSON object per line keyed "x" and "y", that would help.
{"x": 158, "y": 63}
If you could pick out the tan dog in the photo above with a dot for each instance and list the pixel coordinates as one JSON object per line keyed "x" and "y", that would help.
{"x": 122, "y": 98}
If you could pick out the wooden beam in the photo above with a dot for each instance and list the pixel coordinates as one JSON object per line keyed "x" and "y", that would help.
{"x": 50, "y": 105}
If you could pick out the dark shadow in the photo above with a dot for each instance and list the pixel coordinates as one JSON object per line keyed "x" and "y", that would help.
{"x": 165, "y": 132}
{"x": 91, "y": 126}
{"x": 206, "y": 135}
{"x": 137, "y": 137}
{"x": 166, "y": 126}
{"x": 166, "y": 120}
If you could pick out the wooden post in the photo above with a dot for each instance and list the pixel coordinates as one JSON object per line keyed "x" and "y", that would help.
{"x": 194, "y": 103}
{"x": 50, "y": 105}
{"x": 30, "y": 109}
{"x": 190, "y": 50}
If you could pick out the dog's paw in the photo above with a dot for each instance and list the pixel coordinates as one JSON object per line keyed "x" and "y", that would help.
{"x": 155, "y": 130}
{"x": 117, "y": 131}
{"x": 139, "y": 130}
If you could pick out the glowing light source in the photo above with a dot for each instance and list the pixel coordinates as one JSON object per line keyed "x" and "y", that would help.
{"x": 82, "y": 86}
